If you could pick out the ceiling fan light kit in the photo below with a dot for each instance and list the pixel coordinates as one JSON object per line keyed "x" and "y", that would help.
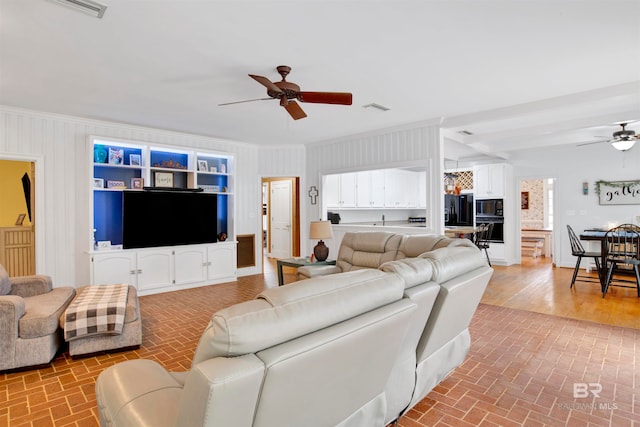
{"x": 288, "y": 93}
{"x": 623, "y": 144}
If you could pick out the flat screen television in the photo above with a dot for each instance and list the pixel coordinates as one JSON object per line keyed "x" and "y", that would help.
{"x": 164, "y": 218}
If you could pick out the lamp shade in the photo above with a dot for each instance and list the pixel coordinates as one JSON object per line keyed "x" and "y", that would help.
{"x": 320, "y": 230}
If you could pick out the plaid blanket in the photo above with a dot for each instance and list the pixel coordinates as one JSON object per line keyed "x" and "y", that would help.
{"x": 97, "y": 310}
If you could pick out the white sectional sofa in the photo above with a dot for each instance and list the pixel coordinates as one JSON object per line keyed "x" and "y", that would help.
{"x": 357, "y": 348}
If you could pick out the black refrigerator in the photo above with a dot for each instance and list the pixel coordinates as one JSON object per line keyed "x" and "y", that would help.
{"x": 458, "y": 210}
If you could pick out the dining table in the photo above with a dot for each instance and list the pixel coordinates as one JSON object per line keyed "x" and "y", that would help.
{"x": 461, "y": 231}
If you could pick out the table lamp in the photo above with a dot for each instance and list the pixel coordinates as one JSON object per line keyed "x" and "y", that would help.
{"x": 320, "y": 230}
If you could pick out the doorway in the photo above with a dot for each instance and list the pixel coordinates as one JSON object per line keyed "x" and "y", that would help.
{"x": 17, "y": 217}
{"x": 536, "y": 218}
{"x": 281, "y": 217}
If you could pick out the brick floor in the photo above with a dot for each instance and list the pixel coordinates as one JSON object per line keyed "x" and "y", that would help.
{"x": 521, "y": 368}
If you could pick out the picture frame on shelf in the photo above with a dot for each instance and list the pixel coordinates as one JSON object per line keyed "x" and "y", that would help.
{"x": 135, "y": 160}
{"x": 213, "y": 169}
{"x": 116, "y": 156}
{"x": 163, "y": 179}
{"x": 223, "y": 168}
{"x": 115, "y": 184}
{"x": 203, "y": 166}
{"x": 98, "y": 183}
{"x": 137, "y": 183}
{"x": 20, "y": 219}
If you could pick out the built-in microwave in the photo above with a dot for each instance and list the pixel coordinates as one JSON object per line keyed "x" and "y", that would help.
{"x": 489, "y": 207}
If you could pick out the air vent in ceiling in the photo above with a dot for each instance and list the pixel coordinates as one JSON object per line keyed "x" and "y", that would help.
{"x": 465, "y": 132}
{"x": 377, "y": 106}
{"x": 90, "y": 7}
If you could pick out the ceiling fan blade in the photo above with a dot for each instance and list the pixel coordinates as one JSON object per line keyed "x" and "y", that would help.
{"x": 342, "y": 98}
{"x": 248, "y": 100}
{"x": 266, "y": 83}
{"x": 294, "y": 110}
{"x": 591, "y": 142}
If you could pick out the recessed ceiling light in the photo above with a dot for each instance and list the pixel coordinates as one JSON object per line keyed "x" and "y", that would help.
{"x": 90, "y": 7}
{"x": 377, "y": 106}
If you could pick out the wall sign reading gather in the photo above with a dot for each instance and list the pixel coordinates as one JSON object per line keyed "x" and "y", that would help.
{"x": 618, "y": 192}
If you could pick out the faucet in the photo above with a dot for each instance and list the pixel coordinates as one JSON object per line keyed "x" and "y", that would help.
{"x": 383, "y": 220}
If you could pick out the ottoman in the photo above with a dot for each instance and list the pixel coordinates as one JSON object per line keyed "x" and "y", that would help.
{"x": 131, "y": 336}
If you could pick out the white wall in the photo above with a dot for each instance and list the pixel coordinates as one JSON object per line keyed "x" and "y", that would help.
{"x": 418, "y": 143}
{"x": 572, "y": 166}
{"x": 60, "y": 146}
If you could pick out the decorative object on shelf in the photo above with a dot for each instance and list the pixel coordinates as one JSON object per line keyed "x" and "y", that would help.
{"x": 224, "y": 189}
{"x": 116, "y": 184}
{"x": 222, "y": 236}
{"x": 99, "y": 154}
{"x": 135, "y": 160}
{"x": 320, "y": 230}
{"x": 213, "y": 169}
{"x": 313, "y": 194}
{"x": 20, "y": 219}
{"x": 585, "y": 188}
{"x": 98, "y": 183}
{"x": 137, "y": 183}
{"x": 116, "y": 156}
{"x": 209, "y": 188}
{"x": 170, "y": 164}
{"x": 450, "y": 180}
{"x": 103, "y": 245}
{"x": 203, "y": 165}
{"x": 223, "y": 168}
{"x": 618, "y": 192}
{"x": 163, "y": 179}
{"x": 524, "y": 200}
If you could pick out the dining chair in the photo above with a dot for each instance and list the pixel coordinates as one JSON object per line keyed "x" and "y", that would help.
{"x": 482, "y": 239}
{"x": 622, "y": 254}
{"x": 577, "y": 250}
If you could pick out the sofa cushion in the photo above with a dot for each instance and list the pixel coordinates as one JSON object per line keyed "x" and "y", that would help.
{"x": 413, "y": 271}
{"x": 367, "y": 250}
{"x": 453, "y": 261}
{"x": 413, "y": 245}
{"x": 280, "y": 314}
{"x": 42, "y": 312}
{"x": 5, "y": 283}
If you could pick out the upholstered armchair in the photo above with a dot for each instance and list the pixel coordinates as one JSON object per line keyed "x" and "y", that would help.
{"x": 29, "y": 311}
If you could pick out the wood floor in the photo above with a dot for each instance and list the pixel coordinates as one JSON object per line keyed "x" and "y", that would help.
{"x": 519, "y": 371}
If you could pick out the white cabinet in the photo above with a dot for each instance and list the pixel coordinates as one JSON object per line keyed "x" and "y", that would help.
{"x": 340, "y": 190}
{"x": 489, "y": 181}
{"x": 221, "y": 262}
{"x": 166, "y": 268}
{"x": 370, "y": 189}
{"x": 422, "y": 189}
{"x": 401, "y": 189}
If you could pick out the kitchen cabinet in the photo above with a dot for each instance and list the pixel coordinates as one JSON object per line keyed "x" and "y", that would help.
{"x": 221, "y": 263}
{"x": 489, "y": 181}
{"x": 340, "y": 190}
{"x": 370, "y": 189}
{"x": 401, "y": 188}
{"x": 422, "y": 190}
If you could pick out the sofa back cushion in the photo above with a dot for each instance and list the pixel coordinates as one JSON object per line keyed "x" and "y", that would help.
{"x": 453, "y": 261}
{"x": 5, "y": 284}
{"x": 281, "y": 314}
{"x": 367, "y": 250}
{"x": 414, "y": 271}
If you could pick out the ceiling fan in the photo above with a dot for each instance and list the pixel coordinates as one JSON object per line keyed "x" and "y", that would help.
{"x": 288, "y": 93}
{"x": 622, "y": 139}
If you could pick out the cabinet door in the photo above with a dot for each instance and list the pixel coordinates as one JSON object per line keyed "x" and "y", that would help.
{"x": 377, "y": 189}
{"x": 113, "y": 267}
{"x": 481, "y": 182}
{"x": 363, "y": 189}
{"x": 331, "y": 188}
{"x": 422, "y": 189}
{"x": 155, "y": 269}
{"x": 221, "y": 261}
{"x": 496, "y": 180}
{"x": 348, "y": 190}
{"x": 190, "y": 264}
{"x": 409, "y": 195}
{"x": 392, "y": 188}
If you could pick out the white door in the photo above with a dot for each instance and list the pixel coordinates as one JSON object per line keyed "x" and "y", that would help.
{"x": 281, "y": 219}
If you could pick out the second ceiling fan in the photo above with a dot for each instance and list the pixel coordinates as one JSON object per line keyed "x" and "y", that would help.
{"x": 288, "y": 93}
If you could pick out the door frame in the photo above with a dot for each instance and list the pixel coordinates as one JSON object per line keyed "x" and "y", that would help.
{"x": 295, "y": 212}
{"x": 37, "y": 205}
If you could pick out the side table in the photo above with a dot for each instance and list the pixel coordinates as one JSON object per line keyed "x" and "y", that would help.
{"x": 298, "y": 262}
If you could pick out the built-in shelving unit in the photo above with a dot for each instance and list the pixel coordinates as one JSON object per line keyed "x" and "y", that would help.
{"x": 122, "y": 165}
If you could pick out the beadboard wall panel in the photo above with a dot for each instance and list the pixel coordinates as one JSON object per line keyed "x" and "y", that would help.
{"x": 417, "y": 144}
{"x": 60, "y": 143}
